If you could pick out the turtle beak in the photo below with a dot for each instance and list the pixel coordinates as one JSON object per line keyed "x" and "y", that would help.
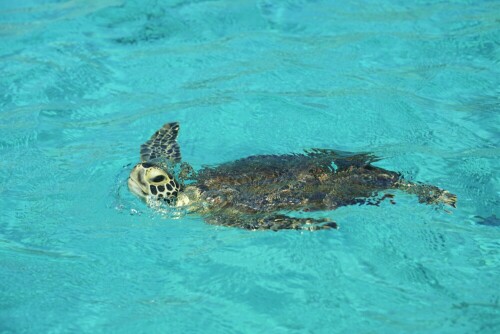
{"x": 134, "y": 182}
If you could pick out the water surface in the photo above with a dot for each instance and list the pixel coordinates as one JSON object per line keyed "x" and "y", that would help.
{"x": 84, "y": 83}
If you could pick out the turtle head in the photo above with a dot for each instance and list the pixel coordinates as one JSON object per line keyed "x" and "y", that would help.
{"x": 150, "y": 180}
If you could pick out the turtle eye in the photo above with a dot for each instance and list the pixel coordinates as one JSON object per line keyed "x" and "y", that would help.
{"x": 158, "y": 178}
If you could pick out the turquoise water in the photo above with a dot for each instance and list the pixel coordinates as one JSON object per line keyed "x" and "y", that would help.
{"x": 84, "y": 83}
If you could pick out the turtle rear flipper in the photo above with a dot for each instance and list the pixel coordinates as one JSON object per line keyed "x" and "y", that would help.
{"x": 428, "y": 194}
{"x": 447, "y": 198}
{"x": 273, "y": 222}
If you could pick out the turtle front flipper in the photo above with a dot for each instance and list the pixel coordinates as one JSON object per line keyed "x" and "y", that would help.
{"x": 162, "y": 145}
{"x": 271, "y": 221}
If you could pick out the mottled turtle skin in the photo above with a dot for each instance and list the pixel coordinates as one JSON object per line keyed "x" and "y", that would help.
{"x": 276, "y": 191}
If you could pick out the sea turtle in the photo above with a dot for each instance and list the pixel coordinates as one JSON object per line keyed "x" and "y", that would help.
{"x": 267, "y": 191}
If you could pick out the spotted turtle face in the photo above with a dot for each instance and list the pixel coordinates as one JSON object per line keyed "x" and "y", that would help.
{"x": 147, "y": 179}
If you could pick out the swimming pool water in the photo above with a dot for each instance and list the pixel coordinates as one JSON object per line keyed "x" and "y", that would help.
{"x": 84, "y": 83}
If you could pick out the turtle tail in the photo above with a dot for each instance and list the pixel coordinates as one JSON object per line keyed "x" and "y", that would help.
{"x": 427, "y": 193}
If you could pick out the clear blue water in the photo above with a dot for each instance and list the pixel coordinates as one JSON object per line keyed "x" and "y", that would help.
{"x": 84, "y": 83}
